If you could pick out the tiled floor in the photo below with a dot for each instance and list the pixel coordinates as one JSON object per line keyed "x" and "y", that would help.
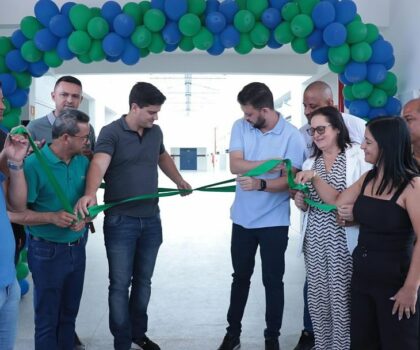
{"x": 191, "y": 284}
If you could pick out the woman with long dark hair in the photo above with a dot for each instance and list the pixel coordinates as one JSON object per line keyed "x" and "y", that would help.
{"x": 386, "y": 261}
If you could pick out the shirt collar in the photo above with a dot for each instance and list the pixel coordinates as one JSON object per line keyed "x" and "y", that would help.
{"x": 50, "y": 155}
{"x": 278, "y": 128}
{"x": 51, "y": 117}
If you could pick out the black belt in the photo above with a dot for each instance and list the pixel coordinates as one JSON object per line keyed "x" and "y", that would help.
{"x": 70, "y": 244}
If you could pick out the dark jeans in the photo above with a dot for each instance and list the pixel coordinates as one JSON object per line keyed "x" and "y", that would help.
{"x": 307, "y": 322}
{"x": 244, "y": 244}
{"x": 58, "y": 272}
{"x": 132, "y": 245}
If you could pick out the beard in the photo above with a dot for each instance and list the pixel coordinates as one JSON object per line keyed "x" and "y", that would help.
{"x": 260, "y": 123}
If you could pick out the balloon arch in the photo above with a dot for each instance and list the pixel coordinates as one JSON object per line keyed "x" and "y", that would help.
{"x": 331, "y": 30}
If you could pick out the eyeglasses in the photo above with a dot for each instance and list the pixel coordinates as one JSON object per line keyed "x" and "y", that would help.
{"x": 319, "y": 129}
{"x": 84, "y": 138}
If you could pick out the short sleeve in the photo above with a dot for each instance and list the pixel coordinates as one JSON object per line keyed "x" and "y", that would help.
{"x": 236, "y": 137}
{"x": 32, "y": 180}
{"x": 296, "y": 149}
{"x": 107, "y": 140}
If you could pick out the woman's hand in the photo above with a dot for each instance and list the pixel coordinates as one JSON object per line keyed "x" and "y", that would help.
{"x": 305, "y": 176}
{"x": 405, "y": 302}
{"x": 344, "y": 215}
{"x": 300, "y": 201}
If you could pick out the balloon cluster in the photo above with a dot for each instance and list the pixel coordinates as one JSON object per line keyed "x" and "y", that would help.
{"x": 22, "y": 271}
{"x": 331, "y": 30}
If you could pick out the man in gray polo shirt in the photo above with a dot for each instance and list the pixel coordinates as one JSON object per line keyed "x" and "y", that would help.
{"x": 127, "y": 155}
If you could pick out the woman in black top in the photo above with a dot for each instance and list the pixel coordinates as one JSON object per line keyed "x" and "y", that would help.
{"x": 386, "y": 261}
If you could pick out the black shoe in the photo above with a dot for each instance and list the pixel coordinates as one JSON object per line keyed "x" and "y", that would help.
{"x": 145, "y": 344}
{"x": 272, "y": 344}
{"x": 78, "y": 345}
{"x": 230, "y": 343}
{"x": 306, "y": 341}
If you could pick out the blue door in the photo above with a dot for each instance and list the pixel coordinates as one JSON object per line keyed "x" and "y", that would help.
{"x": 188, "y": 159}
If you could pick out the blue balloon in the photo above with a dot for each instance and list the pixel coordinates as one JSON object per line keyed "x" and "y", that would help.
{"x": 345, "y": 11}
{"x": 24, "y": 287}
{"x": 320, "y": 54}
{"x": 377, "y": 112}
{"x": 15, "y": 62}
{"x": 60, "y": 26}
{"x": 38, "y": 69}
{"x": 45, "y": 10}
{"x": 63, "y": 50}
{"x": 171, "y": 47}
{"x": 171, "y": 34}
{"x": 355, "y": 72}
{"x": 18, "y": 98}
{"x": 215, "y": 22}
{"x": 271, "y": 17}
{"x": 229, "y": 8}
{"x": 272, "y": 43}
{"x": 230, "y": 37}
{"x": 131, "y": 54}
{"x": 331, "y": 1}
{"x": 157, "y": 4}
{"x": 45, "y": 40}
{"x": 124, "y": 25}
{"x": 315, "y": 39}
{"x": 8, "y": 83}
{"x": 343, "y": 79}
{"x": 347, "y": 103}
{"x": 113, "y": 45}
{"x": 65, "y": 9}
{"x": 175, "y": 9}
{"x": 359, "y": 108}
{"x": 211, "y": 6}
{"x": 335, "y": 34}
{"x": 382, "y": 51}
{"x": 278, "y": 4}
{"x": 217, "y": 48}
{"x": 109, "y": 11}
{"x": 376, "y": 73}
{"x": 18, "y": 39}
{"x": 112, "y": 59}
{"x": 390, "y": 63}
{"x": 393, "y": 106}
{"x": 323, "y": 14}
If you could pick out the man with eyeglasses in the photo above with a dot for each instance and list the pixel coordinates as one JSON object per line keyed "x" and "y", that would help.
{"x": 56, "y": 252}
{"x": 316, "y": 95}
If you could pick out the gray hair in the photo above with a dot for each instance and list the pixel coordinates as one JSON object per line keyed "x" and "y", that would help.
{"x": 66, "y": 122}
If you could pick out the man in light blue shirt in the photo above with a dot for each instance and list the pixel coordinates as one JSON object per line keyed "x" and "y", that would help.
{"x": 261, "y": 210}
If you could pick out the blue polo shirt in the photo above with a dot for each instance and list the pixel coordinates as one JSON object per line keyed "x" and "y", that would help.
{"x": 42, "y": 198}
{"x": 257, "y": 209}
{"x": 7, "y": 243}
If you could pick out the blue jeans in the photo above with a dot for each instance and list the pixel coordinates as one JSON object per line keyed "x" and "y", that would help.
{"x": 9, "y": 314}
{"x": 132, "y": 245}
{"x": 307, "y": 322}
{"x": 273, "y": 243}
{"x": 58, "y": 272}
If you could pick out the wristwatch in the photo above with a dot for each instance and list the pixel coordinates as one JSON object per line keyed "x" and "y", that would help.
{"x": 13, "y": 166}
{"x": 263, "y": 185}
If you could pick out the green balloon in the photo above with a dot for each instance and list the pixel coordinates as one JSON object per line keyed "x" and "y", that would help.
{"x": 154, "y": 20}
{"x": 12, "y": 119}
{"x": 7, "y": 106}
{"x": 23, "y": 79}
{"x": 257, "y": 7}
{"x": 348, "y": 93}
{"x": 3, "y": 66}
{"x": 392, "y": 92}
{"x": 189, "y": 24}
{"x": 283, "y": 33}
{"x": 389, "y": 83}
{"x": 186, "y": 44}
{"x": 142, "y": 37}
{"x": 144, "y": 52}
{"x": 84, "y": 58}
{"x": 134, "y": 10}
{"x": 378, "y": 98}
{"x": 144, "y": 7}
{"x": 244, "y": 21}
{"x": 290, "y": 11}
{"x": 357, "y": 17}
{"x": 302, "y": 26}
{"x": 307, "y": 6}
{"x": 203, "y": 40}
{"x": 98, "y": 27}
{"x": 299, "y": 45}
{"x": 196, "y": 6}
{"x": 362, "y": 89}
{"x": 29, "y": 25}
{"x": 259, "y": 35}
{"x": 96, "y": 52}
{"x": 5, "y": 45}
{"x": 372, "y": 33}
{"x": 22, "y": 271}
{"x": 23, "y": 256}
{"x": 339, "y": 55}
{"x": 361, "y": 52}
{"x": 95, "y": 12}
{"x": 158, "y": 44}
{"x": 241, "y": 4}
{"x": 80, "y": 16}
{"x": 356, "y": 32}
{"x": 52, "y": 59}
{"x": 30, "y": 52}
{"x": 336, "y": 68}
{"x": 79, "y": 42}
{"x": 245, "y": 45}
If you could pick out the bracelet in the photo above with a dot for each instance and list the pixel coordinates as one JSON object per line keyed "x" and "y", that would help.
{"x": 14, "y": 166}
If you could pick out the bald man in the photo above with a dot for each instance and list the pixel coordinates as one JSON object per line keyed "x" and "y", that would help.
{"x": 411, "y": 113}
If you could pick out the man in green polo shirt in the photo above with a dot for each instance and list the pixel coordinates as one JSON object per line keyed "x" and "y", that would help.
{"x": 56, "y": 253}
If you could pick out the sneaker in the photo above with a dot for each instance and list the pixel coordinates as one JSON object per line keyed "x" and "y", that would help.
{"x": 272, "y": 344}
{"x": 145, "y": 344}
{"x": 230, "y": 343}
{"x": 78, "y": 345}
{"x": 306, "y": 341}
